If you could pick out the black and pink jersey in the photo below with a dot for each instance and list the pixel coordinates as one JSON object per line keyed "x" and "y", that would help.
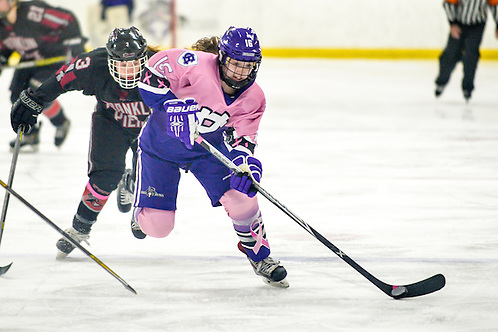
{"x": 89, "y": 73}
{"x": 41, "y": 31}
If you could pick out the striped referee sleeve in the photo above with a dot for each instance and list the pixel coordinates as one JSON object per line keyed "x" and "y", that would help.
{"x": 468, "y": 12}
{"x": 450, "y": 6}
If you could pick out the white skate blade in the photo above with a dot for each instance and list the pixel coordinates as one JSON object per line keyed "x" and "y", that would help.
{"x": 26, "y": 149}
{"x": 281, "y": 284}
{"x": 60, "y": 255}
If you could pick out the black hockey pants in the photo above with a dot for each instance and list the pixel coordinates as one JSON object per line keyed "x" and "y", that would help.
{"x": 109, "y": 144}
{"x": 466, "y": 49}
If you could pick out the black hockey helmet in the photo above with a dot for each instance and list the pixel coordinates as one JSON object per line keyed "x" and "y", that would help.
{"x": 129, "y": 46}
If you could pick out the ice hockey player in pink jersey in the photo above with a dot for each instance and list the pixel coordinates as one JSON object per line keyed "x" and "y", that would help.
{"x": 216, "y": 95}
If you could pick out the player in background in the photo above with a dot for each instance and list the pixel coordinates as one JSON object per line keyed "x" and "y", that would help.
{"x": 106, "y": 15}
{"x": 467, "y": 20}
{"x": 109, "y": 5}
{"x": 111, "y": 74}
{"x": 37, "y": 31}
{"x": 217, "y": 95}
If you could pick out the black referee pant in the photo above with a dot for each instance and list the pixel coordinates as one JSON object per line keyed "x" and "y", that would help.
{"x": 466, "y": 49}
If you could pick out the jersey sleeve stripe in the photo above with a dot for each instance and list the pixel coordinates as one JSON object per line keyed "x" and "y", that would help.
{"x": 68, "y": 77}
{"x": 157, "y": 91}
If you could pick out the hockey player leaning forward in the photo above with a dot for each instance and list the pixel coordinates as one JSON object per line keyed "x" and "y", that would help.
{"x": 220, "y": 91}
{"x": 110, "y": 74}
{"x": 38, "y": 31}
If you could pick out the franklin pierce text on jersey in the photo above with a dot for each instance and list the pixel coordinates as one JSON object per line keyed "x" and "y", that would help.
{"x": 127, "y": 113}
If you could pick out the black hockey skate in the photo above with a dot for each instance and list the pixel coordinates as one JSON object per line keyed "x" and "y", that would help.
{"x": 272, "y": 272}
{"x": 126, "y": 187}
{"x": 439, "y": 90}
{"x": 135, "y": 228}
{"x": 29, "y": 142}
{"x": 467, "y": 94}
{"x": 61, "y": 132}
{"x": 65, "y": 247}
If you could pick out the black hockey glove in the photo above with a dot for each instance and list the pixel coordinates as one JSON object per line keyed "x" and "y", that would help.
{"x": 25, "y": 111}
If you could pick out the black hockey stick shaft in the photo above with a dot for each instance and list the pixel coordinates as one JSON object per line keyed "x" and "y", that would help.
{"x": 13, "y": 164}
{"x": 423, "y": 287}
{"x": 69, "y": 238}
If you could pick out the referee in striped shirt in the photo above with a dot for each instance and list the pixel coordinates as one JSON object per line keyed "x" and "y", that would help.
{"x": 467, "y": 21}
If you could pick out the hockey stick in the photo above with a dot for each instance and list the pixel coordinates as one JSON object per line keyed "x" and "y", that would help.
{"x": 69, "y": 238}
{"x": 15, "y": 154}
{"x": 419, "y": 288}
{"x": 38, "y": 63}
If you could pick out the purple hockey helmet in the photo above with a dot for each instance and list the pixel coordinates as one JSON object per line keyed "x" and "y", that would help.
{"x": 239, "y": 44}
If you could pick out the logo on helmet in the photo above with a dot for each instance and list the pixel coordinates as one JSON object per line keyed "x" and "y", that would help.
{"x": 239, "y": 44}
{"x": 126, "y": 45}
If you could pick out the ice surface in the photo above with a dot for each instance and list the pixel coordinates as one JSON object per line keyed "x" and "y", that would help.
{"x": 361, "y": 150}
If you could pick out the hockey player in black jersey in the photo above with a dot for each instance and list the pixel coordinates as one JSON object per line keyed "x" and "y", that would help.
{"x": 38, "y": 31}
{"x": 110, "y": 74}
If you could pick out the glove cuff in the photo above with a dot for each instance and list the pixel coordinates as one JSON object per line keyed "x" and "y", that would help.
{"x": 28, "y": 99}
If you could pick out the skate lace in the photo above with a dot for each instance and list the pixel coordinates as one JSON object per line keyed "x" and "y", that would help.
{"x": 128, "y": 187}
{"x": 80, "y": 237}
{"x": 135, "y": 226}
{"x": 267, "y": 266}
{"x": 129, "y": 183}
{"x": 125, "y": 197}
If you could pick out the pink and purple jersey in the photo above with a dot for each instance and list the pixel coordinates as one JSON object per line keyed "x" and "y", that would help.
{"x": 229, "y": 122}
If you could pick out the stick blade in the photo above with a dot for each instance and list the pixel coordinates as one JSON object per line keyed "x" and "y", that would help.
{"x": 4, "y": 269}
{"x": 420, "y": 288}
{"x": 131, "y": 289}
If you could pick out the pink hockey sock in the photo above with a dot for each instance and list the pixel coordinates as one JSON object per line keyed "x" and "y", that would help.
{"x": 238, "y": 205}
{"x": 156, "y": 223}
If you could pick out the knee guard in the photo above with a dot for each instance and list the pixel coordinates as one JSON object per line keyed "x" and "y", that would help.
{"x": 154, "y": 222}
